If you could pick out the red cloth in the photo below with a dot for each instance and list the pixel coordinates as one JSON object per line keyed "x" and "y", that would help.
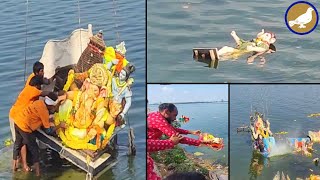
{"x": 158, "y": 145}
{"x": 119, "y": 66}
{"x": 151, "y": 175}
{"x": 157, "y": 125}
{"x": 155, "y": 145}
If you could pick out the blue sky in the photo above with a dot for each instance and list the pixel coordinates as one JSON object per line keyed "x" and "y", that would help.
{"x": 186, "y": 92}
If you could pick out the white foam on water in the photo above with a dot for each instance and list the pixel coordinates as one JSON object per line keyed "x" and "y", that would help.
{"x": 280, "y": 149}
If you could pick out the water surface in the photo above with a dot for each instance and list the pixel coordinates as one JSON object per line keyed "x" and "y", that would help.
{"x": 56, "y": 20}
{"x": 287, "y": 107}
{"x": 175, "y": 27}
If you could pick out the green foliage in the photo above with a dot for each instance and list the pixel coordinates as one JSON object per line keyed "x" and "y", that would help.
{"x": 177, "y": 158}
{"x": 176, "y": 124}
{"x": 164, "y": 137}
{"x": 203, "y": 171}
{"x": 175, "y": 155}
{"x": 157, "y": 157}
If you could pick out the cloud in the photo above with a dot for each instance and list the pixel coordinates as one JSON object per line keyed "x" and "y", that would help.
{"x": 166, "y": 89}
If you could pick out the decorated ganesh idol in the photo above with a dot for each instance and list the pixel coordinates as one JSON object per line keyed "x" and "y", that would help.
{"x": 90, "y": 111}
{"x": 86, "y": 110}
{"x": 97, "y": 100}
{"x": 213, "y": 142}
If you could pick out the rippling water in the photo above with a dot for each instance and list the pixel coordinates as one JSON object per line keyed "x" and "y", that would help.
{"x": 287, "y": 107}
{"x": 56, "y": 20}
{"x": 207, "y": 117}
{"x": 175, "y": 27}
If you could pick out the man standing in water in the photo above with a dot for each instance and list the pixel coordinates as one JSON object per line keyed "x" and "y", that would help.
{"x": 29, "y": 120}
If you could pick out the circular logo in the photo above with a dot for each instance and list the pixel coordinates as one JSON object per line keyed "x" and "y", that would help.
{"x": 301, "y": 17}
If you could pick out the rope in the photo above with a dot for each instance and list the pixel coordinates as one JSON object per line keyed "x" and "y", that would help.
{"x": 79, "y": 21}
{"x": 61, "y": 152}
{"x": 267, "y": 115}
{"x": 26, "y": 43}
{"x": 79, "y": 27}
{"x": 132, "y": 146}
{"x": 89, "y": 176}
{"x": 115, "y": 21}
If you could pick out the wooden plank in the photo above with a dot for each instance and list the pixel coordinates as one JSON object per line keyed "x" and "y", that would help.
{"x": 207, "y": 55}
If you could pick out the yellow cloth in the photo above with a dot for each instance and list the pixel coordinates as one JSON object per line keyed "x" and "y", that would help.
{"x": 65, "y": 111}
{"x": 109, "y": 54}
{"x": 70, "y": 80}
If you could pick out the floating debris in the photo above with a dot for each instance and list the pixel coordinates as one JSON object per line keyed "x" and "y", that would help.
{"x": 243, "y": 129}
{"x": 314, "y": 177}
{"x": 184, "y": 119}
{"x": 277, "y": 176}
{"x": 198, "y": 154}
{"x": 281, "y": 177}
{"x": 281, "y": 133}
{"x": 314, "y": 115}
{"x": 8, "y": 142}
{"x": 316, "y": 161}
{"x": 186, "y": 6}
{"x": 314, "y": 135}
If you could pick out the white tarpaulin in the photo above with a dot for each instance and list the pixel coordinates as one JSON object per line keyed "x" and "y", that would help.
{"x": 65, "y": 52}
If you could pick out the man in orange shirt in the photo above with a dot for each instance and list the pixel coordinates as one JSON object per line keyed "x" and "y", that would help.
{"x": 30, "y": 93}
{"x": 38, "y": 70}
{"x": 29, "y": 120}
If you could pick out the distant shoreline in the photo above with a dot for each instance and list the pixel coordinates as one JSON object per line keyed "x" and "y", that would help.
{"x": 211, "y": 102}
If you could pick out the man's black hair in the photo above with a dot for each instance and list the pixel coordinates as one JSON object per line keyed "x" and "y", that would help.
{"x": 186, "y": 176}
{"x": 36, "y": 81}
{"x": 37, "y": 66}
{"x": 169, "y": 106}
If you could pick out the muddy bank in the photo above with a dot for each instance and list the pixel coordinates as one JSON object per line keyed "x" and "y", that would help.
{"x": 178, "y": 160}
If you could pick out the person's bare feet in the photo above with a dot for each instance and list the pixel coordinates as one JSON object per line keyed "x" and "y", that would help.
{"x": 14, "y": 165}
{"x": 26, "y": 168}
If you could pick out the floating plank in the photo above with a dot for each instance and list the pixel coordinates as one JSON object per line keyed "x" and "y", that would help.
{"x": 243, "y": 129}
{"x": 209, "y": 56}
